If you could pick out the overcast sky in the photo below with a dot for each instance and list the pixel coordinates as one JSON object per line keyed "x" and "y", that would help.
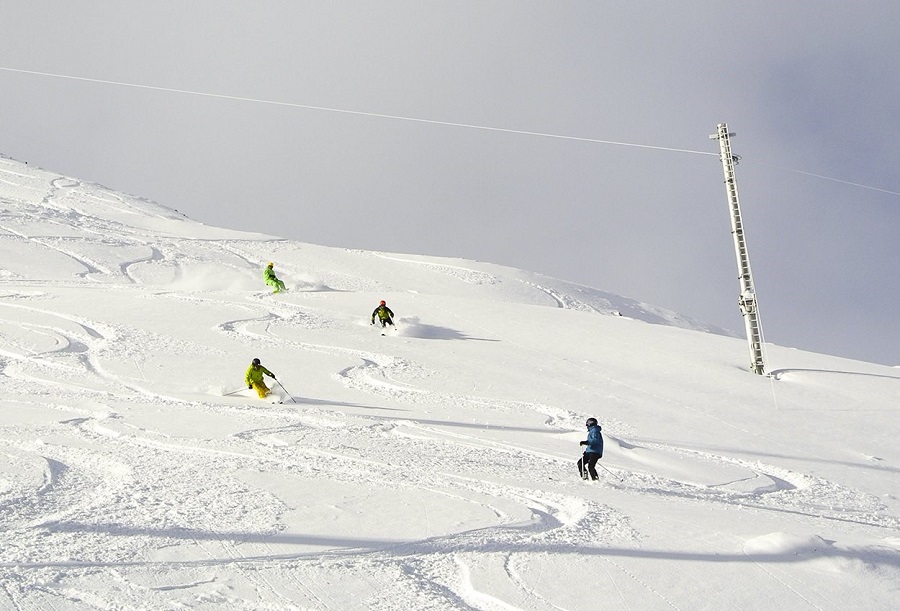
{"x": 811, "y": 90}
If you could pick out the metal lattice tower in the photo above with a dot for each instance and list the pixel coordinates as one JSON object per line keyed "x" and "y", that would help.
{"x": 747, "y": 297}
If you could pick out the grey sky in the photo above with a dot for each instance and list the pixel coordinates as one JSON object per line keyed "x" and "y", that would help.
{"x": 806, "y": 86}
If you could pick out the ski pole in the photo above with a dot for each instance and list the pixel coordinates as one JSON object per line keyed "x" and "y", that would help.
{"x": 234, "y": 392}
{"x": 286, "y": 391}
{"x": 610, "y": 472}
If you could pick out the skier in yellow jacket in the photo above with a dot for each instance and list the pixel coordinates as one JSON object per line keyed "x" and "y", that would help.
{"x": 271, "y": 279}
{"x": 254, "y": 378}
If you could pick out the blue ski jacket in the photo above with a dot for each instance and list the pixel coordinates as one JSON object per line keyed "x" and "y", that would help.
{"x": 594, "y": 441}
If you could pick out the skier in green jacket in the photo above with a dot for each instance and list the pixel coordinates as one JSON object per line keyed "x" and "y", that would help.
{"x": 254, "y": 378}
{"x": 271, "y": 279}
{"x": 384, "y": 314}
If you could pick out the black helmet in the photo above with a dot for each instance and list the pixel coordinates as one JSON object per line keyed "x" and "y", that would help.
{"x": 591, "y": 422}
{"x": 255, "y": 362}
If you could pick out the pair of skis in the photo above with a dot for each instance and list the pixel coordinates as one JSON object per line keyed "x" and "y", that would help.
{"x": 277, "y": 381}
{"x": 384, "y": 329}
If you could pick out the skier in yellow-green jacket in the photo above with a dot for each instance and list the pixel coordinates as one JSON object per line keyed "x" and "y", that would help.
{"x": 383, "y": 314}
{"x": 254, "y": 378}
{"x": 271, "y": 279}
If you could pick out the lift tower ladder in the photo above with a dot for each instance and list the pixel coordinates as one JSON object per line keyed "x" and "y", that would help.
{"x": 747, "y": 298}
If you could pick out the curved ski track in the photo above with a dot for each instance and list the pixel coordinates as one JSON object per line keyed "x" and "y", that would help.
{"x": 102, "y": 486}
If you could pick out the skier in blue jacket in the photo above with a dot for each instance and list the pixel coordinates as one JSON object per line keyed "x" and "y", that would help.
{"x": 593, "y": 451}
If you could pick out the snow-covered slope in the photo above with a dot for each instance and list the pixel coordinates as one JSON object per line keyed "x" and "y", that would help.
{"x": 428, "y": 468}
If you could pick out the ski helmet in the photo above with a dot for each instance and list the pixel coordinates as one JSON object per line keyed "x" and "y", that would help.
{"x": 255, "y": 362}
{"x": 271, "y": 264}
{"x": 383, "y": 302}
{"x": 591, "y": 422}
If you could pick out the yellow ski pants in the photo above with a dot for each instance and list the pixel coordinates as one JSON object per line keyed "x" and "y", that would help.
{"x": 261, "y": 389}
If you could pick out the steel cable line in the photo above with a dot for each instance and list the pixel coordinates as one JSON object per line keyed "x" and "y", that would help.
{"x": 420, "y": 120}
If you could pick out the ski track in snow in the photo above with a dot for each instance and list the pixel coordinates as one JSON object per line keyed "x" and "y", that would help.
{"x": 132, "y": 526}
{"x": 465, "y": 274}
{"x": 77, "y": 486}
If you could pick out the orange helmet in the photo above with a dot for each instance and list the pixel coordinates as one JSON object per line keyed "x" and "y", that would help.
{"x": 383, "y": 302}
